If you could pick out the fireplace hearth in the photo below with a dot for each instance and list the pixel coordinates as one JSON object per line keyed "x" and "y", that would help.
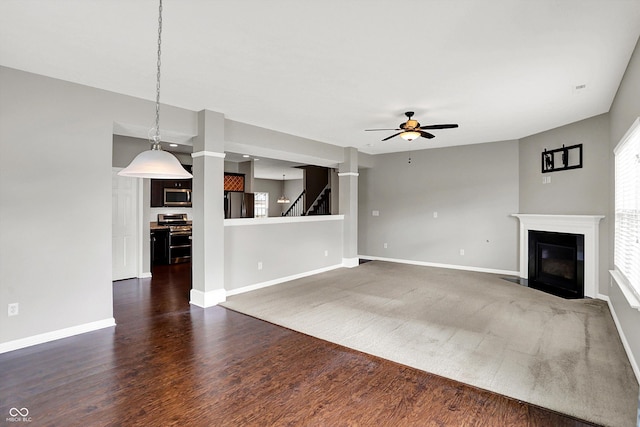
{"x": 556, "y": 263}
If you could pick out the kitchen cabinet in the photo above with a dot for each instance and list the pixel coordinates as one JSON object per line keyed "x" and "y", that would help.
{"x": 160, "y": 246}
{"x": 158, "y": 186}
{"x": 234, "y": 182}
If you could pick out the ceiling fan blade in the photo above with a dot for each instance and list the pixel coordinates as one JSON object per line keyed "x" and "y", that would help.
{"x": 368, "y": 130}
{"x": 451, "y": 126}
{"x": 426, "y": 135}
{"x": 389, "y": 137}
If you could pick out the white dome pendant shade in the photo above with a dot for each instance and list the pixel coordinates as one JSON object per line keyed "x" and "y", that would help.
{"x": 155, "y": 163}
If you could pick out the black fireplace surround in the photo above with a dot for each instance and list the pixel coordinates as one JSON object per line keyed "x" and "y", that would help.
{"x": 556, "y": 263}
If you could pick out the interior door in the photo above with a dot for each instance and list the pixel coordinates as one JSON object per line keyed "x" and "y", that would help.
{"x": 124, "y": 217}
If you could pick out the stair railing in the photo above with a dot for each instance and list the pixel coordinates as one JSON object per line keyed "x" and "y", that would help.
{"x": 320, "y": 205}
{"x": 297, "y": 207}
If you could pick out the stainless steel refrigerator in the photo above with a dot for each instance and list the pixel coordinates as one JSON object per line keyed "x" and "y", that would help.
{"x": 238, "y": 205}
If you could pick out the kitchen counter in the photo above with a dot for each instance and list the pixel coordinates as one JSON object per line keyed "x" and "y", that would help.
{"x": 153, "y": 225}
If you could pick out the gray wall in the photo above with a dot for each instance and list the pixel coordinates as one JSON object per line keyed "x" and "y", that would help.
{"x": 55, "y": 254}
{"x": 231, "y": 167}
{"x": 260, "y": 142}
{"x": 571, "y": 192}
{"x": 473, "y": 189}
{"x": 125, "y": 148}
{"x": 624, "y": 110}
{"x": 246, "y": 168}
{"x": 300, "y": 248}
{"x": 582, "y": 191}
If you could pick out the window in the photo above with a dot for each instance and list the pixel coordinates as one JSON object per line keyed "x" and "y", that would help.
{"x": 627, "y": 211}
{"x": 261, "y": 205}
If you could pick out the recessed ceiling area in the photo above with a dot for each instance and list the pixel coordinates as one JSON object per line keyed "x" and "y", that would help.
{"x": 264, "y": 168}
{"x": 501, "y": 69}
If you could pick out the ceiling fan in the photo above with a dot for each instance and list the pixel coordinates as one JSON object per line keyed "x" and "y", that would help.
{"x": 411, "y": 129}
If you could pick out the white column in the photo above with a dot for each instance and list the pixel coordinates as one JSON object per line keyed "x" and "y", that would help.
{"x": 348, "y": 201}
{"x": 207, "y": 260}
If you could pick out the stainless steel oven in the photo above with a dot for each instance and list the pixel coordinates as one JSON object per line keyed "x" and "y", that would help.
{"x": 179, "y": 241}
{"x": 177, "y": 197}
{"x": 179, "y": 244}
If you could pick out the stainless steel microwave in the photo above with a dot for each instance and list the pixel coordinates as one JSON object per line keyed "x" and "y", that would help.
{"x": 177, "y": 197}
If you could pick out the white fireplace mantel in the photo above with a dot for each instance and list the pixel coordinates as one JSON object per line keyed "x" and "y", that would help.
{"x": 587, "y": 225}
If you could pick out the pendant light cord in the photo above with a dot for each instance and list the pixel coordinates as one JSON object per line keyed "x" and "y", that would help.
{"x": 156, "y": 138}
{"x": 156, "y": 163}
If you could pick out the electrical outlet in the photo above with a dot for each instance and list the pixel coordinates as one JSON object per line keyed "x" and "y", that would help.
{"x": 375, "y": 213}
{"x": 326, "y": 253}
{"x": 435, "y": 214}
{"x": 546, "y": 180}
{"x": 259, "y": 265}
{"x": 385, "y": 246}
{"x": 13, "y": 309}
{"x": 461, "y": 251}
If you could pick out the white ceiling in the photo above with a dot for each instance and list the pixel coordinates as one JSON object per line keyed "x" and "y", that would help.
{"x": 327, "y": 70}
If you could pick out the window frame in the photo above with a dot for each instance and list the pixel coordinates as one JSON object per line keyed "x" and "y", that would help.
{"x": 263, "y": 205}
{"x": 630, "y": 286}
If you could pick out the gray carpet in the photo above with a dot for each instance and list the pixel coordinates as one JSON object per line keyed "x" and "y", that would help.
{"x": 476, "y": 328}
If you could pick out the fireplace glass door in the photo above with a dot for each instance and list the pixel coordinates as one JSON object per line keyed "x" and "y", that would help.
{"x": 556, "y": 263}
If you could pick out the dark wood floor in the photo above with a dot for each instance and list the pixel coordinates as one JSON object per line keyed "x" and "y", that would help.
{"x": 169, "y": 363}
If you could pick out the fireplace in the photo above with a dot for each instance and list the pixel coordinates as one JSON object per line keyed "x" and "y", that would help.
{"x": 585, "y": 225}
{"x": 556, "y": 263}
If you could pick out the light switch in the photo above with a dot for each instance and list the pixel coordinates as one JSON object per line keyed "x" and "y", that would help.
{"x": 375, "y": 213}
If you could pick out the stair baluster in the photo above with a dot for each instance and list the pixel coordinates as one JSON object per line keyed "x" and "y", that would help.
{"x": 297, "y": 207}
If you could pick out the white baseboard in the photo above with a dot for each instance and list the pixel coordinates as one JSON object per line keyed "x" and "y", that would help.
{"x": 623, "y": 338}
{"x": 145, "y": 275}
{"x": 451, "y": 266}
{"x": 207, "y": 299}
{"x": 56, "y": 335}
{"x": 281, "y": 280}
{"x": 350, "y": 262}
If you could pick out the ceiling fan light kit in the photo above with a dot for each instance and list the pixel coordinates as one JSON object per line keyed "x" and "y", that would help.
{"x": 411, "y": 129}
{"x": 410, "y": 136}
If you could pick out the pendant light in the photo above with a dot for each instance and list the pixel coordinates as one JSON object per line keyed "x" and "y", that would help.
{"x": 283, "y": 198}
{"x": 156, "y": 163}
